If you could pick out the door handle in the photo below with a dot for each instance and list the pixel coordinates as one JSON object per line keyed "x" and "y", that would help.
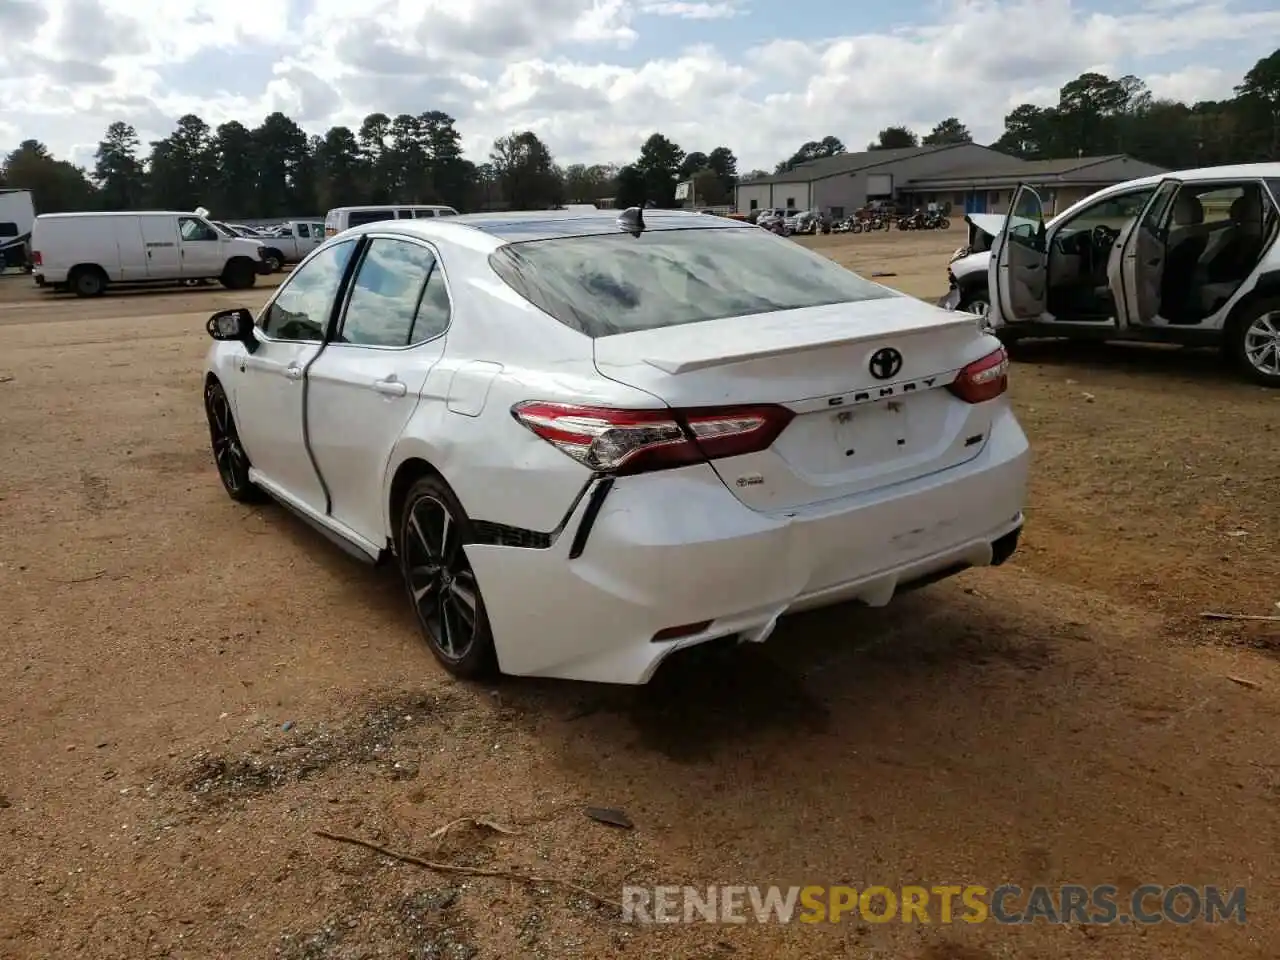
{"x": 390, "y": 387}
{"x": 293, "y": 371}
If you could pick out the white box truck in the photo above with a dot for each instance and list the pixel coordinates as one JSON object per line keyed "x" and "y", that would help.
{"x": 86, "y": 252}
{"x": 17, "y": 213}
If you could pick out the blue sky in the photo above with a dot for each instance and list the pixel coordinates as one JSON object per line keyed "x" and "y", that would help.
{"x": 594, "y": 77}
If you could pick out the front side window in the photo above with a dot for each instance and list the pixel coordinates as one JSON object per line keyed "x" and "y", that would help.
{"x": 1026, "y": 220}
{"x": 301, "y": 309}
{"x": 447, "y": 212}
{"x": 424, "y": 214}
{"x": 603, "y": 285}
{"x": 388, "y": 296}
{"x": 1115, "y": 212}
{"x": 193, "y": 229}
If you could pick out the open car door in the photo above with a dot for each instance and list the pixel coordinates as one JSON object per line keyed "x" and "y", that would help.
{"x": 1142, "y": 259}
{"x": 1019, "y": 271}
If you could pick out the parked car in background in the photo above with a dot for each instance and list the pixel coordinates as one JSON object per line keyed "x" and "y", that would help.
{"x": 87, "y": 252}
{"x": 342, "y": 218}
{"x": 17, "y": 215}
{"x": 292, "y": 242}
{"x": 585, "y": 440}
{"x": 1188, "y": 257}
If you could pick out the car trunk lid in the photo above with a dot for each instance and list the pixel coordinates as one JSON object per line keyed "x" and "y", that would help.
{"x": 855, "y": 428}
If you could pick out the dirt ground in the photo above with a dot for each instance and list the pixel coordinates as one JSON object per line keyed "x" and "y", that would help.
{"x": 192, "y": 688}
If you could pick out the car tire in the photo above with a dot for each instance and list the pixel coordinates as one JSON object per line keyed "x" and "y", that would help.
{"x": 274, "y": 260}
{"x": 1250, "y": 329}
{"x": 970, "y": 299}
{"x": 431, "y": 532}
{"x": 229, "y": 455}
{"x": 239, "y": 275}
{"x": 87, "y": 282}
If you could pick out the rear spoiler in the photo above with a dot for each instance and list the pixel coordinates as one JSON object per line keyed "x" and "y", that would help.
{"x": 704, "y": 356}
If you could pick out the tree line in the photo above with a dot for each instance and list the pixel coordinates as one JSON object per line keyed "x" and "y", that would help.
{"x": 277, "y": 170}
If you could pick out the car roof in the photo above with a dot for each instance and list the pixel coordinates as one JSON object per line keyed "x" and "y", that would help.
{"x": 488, "y": 231}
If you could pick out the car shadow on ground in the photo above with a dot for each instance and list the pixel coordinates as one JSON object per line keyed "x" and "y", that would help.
{"x": 1153, "y": 361}
{"x": 721, "y": 696}
{"x": 809, "y": 680}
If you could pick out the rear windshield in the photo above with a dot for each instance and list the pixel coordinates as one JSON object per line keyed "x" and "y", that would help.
{"x": 616, "y": 283}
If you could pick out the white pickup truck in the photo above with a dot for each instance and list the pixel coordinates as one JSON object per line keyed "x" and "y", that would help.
{"x": 292, "y": 243}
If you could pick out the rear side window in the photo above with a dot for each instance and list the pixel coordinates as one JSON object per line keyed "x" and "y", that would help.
{"x": 387, "y": 297}
{"x": 303, "y": 231}
{"x": 602, "y": 285}
{"x": 358, "y": 218}
{"x": 423, "y": 214}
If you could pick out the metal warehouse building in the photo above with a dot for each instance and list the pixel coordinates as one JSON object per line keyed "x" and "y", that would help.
{"x": 968, "y": 177}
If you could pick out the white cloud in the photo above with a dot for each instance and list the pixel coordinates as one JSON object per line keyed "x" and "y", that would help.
{"x": 585, "y": 74}
{"x": 691, "y": 11}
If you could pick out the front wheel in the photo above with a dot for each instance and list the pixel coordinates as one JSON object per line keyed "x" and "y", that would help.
{"x": 1252, "y": 342}
{"x": 977, "y": 303}
{"x": 228, "y": 452}
{"x": 443, "y": 590}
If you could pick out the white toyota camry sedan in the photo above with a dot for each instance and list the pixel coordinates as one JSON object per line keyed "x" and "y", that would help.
{"x": 589, "y": 439}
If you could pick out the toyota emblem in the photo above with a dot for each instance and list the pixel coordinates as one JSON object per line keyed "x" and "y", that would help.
{"x": 885, "y": 363}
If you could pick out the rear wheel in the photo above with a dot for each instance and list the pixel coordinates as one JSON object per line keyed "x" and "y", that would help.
{"x": 1252, "y": 342}
{"x": 443, "y": 590}
{"x": 87, "y": 281}
{"x": 239, "y": 275}
{"x": 274, "y": 260}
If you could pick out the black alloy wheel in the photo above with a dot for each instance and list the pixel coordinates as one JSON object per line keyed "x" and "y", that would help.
{"x": 228, "y": 452}
{"x": 441, "y": 584}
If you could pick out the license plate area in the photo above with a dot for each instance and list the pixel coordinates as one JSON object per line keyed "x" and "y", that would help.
{"x": 873, "y": 433}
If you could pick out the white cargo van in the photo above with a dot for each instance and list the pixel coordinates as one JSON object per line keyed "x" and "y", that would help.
{"x": 85, "y": 252}
{"x": 340, "y": 218}
{"x": 17, "y": 213}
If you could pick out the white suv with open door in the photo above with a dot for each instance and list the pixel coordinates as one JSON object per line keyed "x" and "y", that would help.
{"x": 1190, "y": 258}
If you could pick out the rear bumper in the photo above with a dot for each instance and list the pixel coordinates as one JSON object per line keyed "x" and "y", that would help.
{"x": 676, "y": 549}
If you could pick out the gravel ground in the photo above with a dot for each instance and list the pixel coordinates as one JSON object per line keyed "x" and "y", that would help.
{"x": 193, "y": 688}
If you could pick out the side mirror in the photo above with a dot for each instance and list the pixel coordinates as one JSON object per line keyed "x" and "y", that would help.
{"x": 234, "y": 324}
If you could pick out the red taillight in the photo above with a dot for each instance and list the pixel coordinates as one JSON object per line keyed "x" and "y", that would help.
{"x": 36, "y": 258}
{"x": 636, "y": 441}
{"x": 983, "y": 379}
